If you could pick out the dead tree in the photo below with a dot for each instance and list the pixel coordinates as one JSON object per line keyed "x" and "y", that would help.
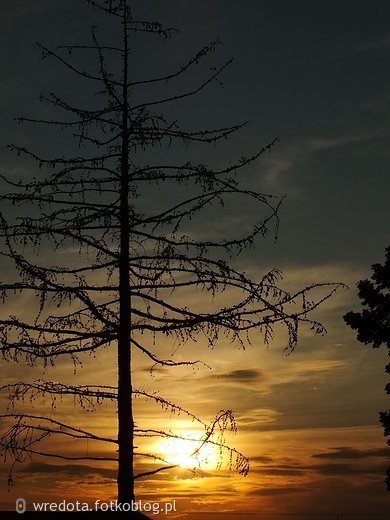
{"x": 120, "y": 292}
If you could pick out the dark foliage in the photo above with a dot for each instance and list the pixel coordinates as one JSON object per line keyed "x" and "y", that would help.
{"x": 373, "y": 322}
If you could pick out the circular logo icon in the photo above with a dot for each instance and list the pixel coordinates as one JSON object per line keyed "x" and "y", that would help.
{"x": 21, "y": 505}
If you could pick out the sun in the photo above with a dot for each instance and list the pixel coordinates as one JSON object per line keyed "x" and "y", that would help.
{"x": 188, "y": 452}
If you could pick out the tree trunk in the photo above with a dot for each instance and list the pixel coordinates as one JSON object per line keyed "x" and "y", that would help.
{"x": 125, "y": 412}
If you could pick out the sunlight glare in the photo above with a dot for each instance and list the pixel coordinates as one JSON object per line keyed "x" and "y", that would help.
{"x": 189, "y": 453}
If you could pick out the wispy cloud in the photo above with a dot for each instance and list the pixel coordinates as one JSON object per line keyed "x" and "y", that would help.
{"x": 377, "y": 44}
{"x": 71, "y": 470}
{"x": 339, "y": 469}
{"x": 272, "y": 491}
{"x": 240, "y": 376}
{"x": 345, "y": 452}
{"x": 279, "y": 167}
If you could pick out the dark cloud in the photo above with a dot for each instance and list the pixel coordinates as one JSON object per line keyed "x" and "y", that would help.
{"x": 279, "y": 471}
{"x": 335, "y": 469}
{"x": 327, "y": 469}
{"x": 93, "y": 482}
{"x": 345, "y": 452}
{"x": 68, "y": 469}
{"x": 262, "y": 459}
{"x": 241, "y": 376}
{"x": 156, "y": 370}
{"x": 276, "y": 491}
{"x": 338, "y": 469}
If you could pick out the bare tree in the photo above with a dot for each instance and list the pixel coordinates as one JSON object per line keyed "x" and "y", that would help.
{"x": 121, "y": 291}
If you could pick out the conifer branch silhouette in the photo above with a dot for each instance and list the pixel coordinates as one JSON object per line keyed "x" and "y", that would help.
{"x": 120, "y": 292}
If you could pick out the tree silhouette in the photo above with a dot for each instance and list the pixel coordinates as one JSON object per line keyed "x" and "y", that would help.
{"x": 373, "y": 322}
{"x": 140, "y": 253}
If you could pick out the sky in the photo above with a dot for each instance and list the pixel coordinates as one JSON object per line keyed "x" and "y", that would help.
{"x": 315, "y": 75}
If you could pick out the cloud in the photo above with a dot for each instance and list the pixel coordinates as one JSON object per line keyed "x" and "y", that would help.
{"x": 279, "y": 471}
{"x": 241, "y": 376}
{"x": 352, "y": 456}
{"x": 279, "y": 166}
{"x": 68, "y": 469}
{"x": 338, "y": 469}
{"x": 276, "y": 491}
{"x": 262, "y": 459}
{"x": 382, "y": 44}
{"x": 257, "y": 417}
{"x": 345, "y": 452}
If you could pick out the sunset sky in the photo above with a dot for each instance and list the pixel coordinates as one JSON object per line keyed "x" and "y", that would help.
{"x": 316, "y": 75}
